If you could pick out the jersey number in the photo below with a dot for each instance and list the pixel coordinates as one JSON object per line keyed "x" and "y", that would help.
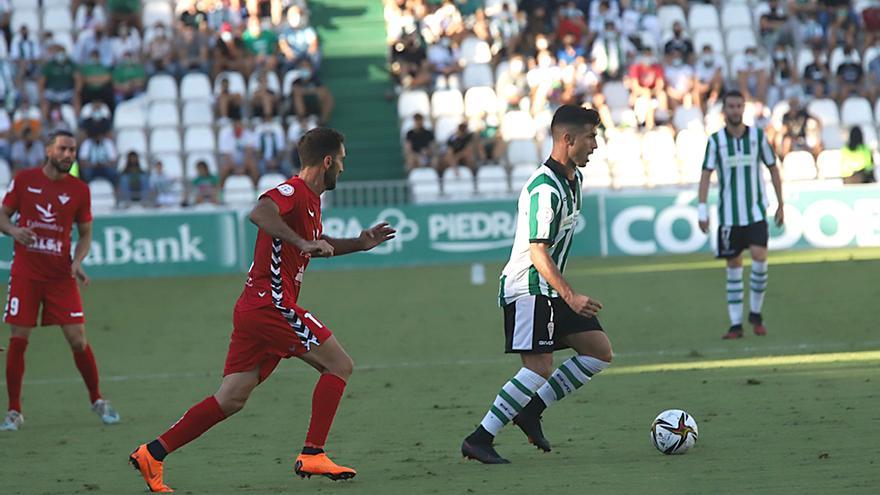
{"x": 309, "y": 316}
{"x": 13, "y": 306}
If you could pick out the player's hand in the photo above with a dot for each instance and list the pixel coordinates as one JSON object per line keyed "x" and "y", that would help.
{"x": 319, "y": 248}
{"x": 780, "y": 216}
{"x": 77, "y": 271}
{"x": 376, "y": 235}
{"x": 24, "y": 235}
{"x": 704, "y": 226}
{"x": 584, "y": 305}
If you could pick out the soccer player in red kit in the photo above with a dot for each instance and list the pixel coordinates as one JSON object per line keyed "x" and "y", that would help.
{"x": 268, "y": 325}
{"x": 48, "y": 201}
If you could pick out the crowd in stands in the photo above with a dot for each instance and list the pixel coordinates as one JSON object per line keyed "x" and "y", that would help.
{"x": 477, "y": 82}
{"x": 169, "y": 99}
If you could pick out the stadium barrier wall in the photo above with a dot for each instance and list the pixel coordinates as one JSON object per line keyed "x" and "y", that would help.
{"x": 187, "y": 242}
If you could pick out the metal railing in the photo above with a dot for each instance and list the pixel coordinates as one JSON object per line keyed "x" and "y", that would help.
{"x": 368, "y": 193}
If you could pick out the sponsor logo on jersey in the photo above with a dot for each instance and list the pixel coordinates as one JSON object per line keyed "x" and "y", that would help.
{"x": 285, "y": 189}
{"x": 46, "y": 213}
{"x": 261, "y": 293}
{"x": 311, "y": 214}
{"x": 64, "y": 198}
{"x": 77, "y": 314}
{"x": 34, "y": 190}
{"x": 47, "y": 245}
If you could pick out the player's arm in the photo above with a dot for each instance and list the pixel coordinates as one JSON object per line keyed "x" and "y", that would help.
{"x": 769, "y": 158}
{"x": 368, "y": 239}
{"x": 579, "y": 303}
{"x": 267, "y": 216}
{"x": 709, "y": 163}
{"x": 23, "y": 235}
{"x": 83, "y": 244}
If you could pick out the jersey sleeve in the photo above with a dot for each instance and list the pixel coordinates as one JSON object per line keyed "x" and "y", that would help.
{"x": 84, "y": 212}
{"x": 710, "y": 161}
{"x": 544, "y": 218}
{"x": 11, "y": 199}
{"x": 766, "y": 151}
{"x": 284, "y": 195}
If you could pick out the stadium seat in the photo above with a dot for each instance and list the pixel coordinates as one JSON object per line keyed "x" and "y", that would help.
{"x": 520, "y": 151}
{"x": 5, "y": 172}
{"x": 616, "y": 95}
{"x": 65, "y": 39}
{"x": 199, "y": 139}
{"x": 711, "y": 37}
{"x": 856, "y": 110}
{"x": 102, "y": 193}
{"x": 517, "y": 125}
{"x": 630, "y": 173}
{"x": 688, "y": 118}
{"x": 157, "y": 12}
{"x": 475, "y": 51}
{"x": 480, "y": 100}
{"x": 520, "y": 174}
{"x": 195, "y": 86}
{"x": 825, "y": 110}
{"x": 837, "y": 58}
{"x": 129, "y": 114}
{"x": 870, "y": 54}
{"x": 738, "y": 39}
{"x": 410, "y": 103}
{"x": 829, "y": 164}
{"x": 658, "y": 145}
{"x": 131, "y": 140}
{"x": 779, "y": 110}
{"x": 624, "y": 146}
{"x": 23, "y": 16}
{"x": 197, "y": 112}
{"x": 269, "y": 181}
{"x": 193, "y": 158}
{"x": 271, "y": 81}
{"x": 804, "y": 58}
{"x": 171, "y": 164}
{"x": 477, "y": 75}
{"x": 690, "y": 148}
{"x": 831, "y": 137}
{"x": 447, "y": 103}
{"x": 238, "y": 190}
{"x": 165, "y": 140}
{"x": 458, "y": 183}
{"x": 162, "y": 87}
{"x": 597, "y": 175}
{"x": 494, "y": 7}
{"x": 799, "y": 165}
{"x": 236, "y": 83}
{"x": 424, "y": 184}
{"x": 663, "y": 172}
{"x": 68, "y": 113}
{"x": 492, "y": 181}
{"x": 289, "y": 77}
{"x": 444, "y": 128}
{"x": 669, "y": 15}
{"x": 163, "y": 114}
{"x": 703, "y": 16}
{"x": 736, "y": 15}
{"x": 869, "y": 135}
{"x": 50, "y": 3}
{"x": 57, "y": 19}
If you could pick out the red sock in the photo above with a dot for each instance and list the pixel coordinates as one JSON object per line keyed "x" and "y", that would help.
{"x": 199, "y": 419}
{"x": 15, "y": 371}
{"x": 88, "y": 368}
{"x": 325, "y": 401}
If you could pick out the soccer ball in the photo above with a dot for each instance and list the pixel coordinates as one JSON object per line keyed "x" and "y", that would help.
{"x": 674, "y": 432}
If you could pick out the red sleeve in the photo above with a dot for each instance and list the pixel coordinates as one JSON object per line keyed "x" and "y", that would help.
{"x": 11, "y": 200}
{"x": 634, "y": 71}
{"x": 84, "y": 213}
{"x": 285, "y": 196}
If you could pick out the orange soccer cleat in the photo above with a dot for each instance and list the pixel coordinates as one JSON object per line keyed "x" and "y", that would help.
{"x": 150, "y": 469}
{"x": 319, "y": 464}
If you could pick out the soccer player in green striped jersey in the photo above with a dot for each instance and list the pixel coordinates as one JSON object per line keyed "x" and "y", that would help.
{"x": 542, "y": 312}
{"x": 737, "y": 153}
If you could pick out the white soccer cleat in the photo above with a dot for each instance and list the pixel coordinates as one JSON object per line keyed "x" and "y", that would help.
{"x": 12, "y": 422}
{"x": 103, "y": 409}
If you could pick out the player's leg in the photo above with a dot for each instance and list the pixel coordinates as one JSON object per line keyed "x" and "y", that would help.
{"x": 85, "y": 362}
{"x": 22, "y": 308}
{"x": 735, "y": 288}
{"x": 757, "y": 287}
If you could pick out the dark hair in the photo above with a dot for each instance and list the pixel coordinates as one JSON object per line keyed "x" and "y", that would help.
{"x": 573, "y": 116}
{"x": 856, "y": 138}
{"x": 318, "y": 143}
{"x": 733, "y": 93}
{"x": 57, "y": 134}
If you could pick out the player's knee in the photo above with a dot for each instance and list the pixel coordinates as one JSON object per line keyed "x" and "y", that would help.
{"x": 231, "y": 405}
{"x": 78, "y": 344}
{"x": 343, "y": 367}
{"x": 605, "y": 355}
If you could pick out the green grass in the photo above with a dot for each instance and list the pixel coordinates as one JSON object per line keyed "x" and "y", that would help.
{"x": 428, "y": 348}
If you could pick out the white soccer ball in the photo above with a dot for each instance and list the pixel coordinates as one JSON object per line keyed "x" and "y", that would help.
{"x": 674, "y": 432}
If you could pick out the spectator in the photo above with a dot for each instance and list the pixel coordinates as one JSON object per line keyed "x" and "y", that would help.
{"x": 679, "y": 75}
{"x": 270, "y": 148}
{"x": 97, "y": 158}
{"x": 295, "y": 131}
{"x": 204, "y": 185}
{"x": 263, "y": 99}
{"x": 265, "y": 10}
{"x": 163, "y": 187}
{"x": 800, "y": 130}
{"x": 774, "y": 27}
{"x": 57, "y": 80}
{"x": 571, "y": 22}
{"x": 94, "y": 40}
{"x": 126, "y": 40}
{"x": 229, "y": 104}
{"x": 490, "y": 140}
{"x": 419, "y": 148}
{"x": 545, "y": 80}
{"x": 94, "y": 82}
{"x": 58, "y": 119}
{"x": 124, "y": 11}
{"x": 856, "y": 159}
{"x": 850, "y": 76}
{"x": 160, "y": 52}
{"x": 5, "y": 134}
{"x": 709, "y": 79}
{"x": 25, "y": 53}
{"x": 463, "y": 148}
{"x": 8, "y": 91}
{"x": 601, "y": 13}
{"x": 647, "y": 87}
{"x": 752, "y": 74}
{"x": 298, "y": 40}
{"x": 89, "y": 15}
{"x": 27, "y": 152}
{"x": 679, "y": 44}
{"x": 639, "y": 19}
{"x": 134, "y": 183}
{"x": 443, "y": 59}
{"x": 568, "y": 52}
{"x": 27, "y": 116}
{"x": 192, "y": 17}
{"x": 817, "y": 74}
{"x": 129, "y": 77}
{"x": 96, "y": 118}
{"x": 229, "y": 53}
{"x": 504, "y": 28}
{"x": 784, "y": 77}
{"x": 409, "y": 63}
{"x": 236, "y": 148}
{"x": 195, "y": 56}
{"x": 261, "y": 43}
{"x": 311, "y": 97}
{"x": 611, "y": 52}
{"x": 873, "y": 72}
{"x": 222, "y": 13}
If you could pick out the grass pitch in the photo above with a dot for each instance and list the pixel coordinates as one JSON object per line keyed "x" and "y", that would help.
{"x": 793, "y": 412}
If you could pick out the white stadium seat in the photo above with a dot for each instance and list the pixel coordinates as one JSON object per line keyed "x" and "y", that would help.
{"x": 799, "y": 165}
{"x": 832, "y": 139}
{"x": 131, "y": 140}
{"x": 424, "y": 183}
{"x": 492, "y": 181}
{"x": 869, "y": 135}
{"x": 837, "y": 58}
{"x": 616, "y": 95}
{"x": 171, "y": 164}
{"x": 162, "y": 87}
{"x": 597, "y": 175}
{"x": 520, "y": 174}
{"x": 5, "y": 172}
{"x": 157, "y": 12}
{"x": 445, "y": 128}
{"x": 236, "y": 83}
{"x": 829, "y": 164}
{"x": 129, "y": 114}
{"x": 658, "y": 145}
{"x": 163, "y": 114}
{"x": 629, "y": 173}
{"x": 458, "y": 183}
{"x": 688, "y": 118}
{"x": 412, "y": 102}
{"x": 856, "y": 110}
{"x": 522, "y": 151}
{"x": 271, "y": 81}
{"x": 669, "y": 15}
{"x": 518, "y": 125}
{"x": 269, "y": 181}
{"x": 65, "y": 39}
{"x": 480, "y": 100}
{"x": 690, "y": 146}
{"x": 804, "y": 58}
{"x": 825, "y": 110}
{"x": 663, "y": 172}
{"x": 477, "y": 75}
{"x": 738, "y": 40}
{"x": 23, "y": 16}
{"x": 199, "y": 139}
{"x": 703, "y": 16}
{"x": 736, "y": 15}
{"x": 475, "y": 51}
{"x": 57, "y": 19}
{"x": 447, "y": 102}
{"x": 624, "y": 146}
{"x": 195, "y": 86}
{"x": 198, "y": 112}
{"x": 102, "y": 193}
{"x": 711, "y": 37}
{"x": 238, "y": 190}
{"x": 193, "y": 158}
{"x": 165, "y": 140}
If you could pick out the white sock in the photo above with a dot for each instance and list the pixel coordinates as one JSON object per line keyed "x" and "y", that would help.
{"x": 735, "y": 295}
{"x": 514, "y": 395}
{"x": 570, "y": 376}
{"x": 758, "y": 285}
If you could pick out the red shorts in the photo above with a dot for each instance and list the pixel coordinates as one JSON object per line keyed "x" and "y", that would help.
{"x": 60, "y": 299}
{"x": 262, "y": 337}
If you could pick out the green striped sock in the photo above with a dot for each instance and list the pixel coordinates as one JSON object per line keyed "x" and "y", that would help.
{"x": 735, "y": 295}
{"x": 758, "y": 286}
{"x": 571, "y": 375}
{"x": 514, "y": 395}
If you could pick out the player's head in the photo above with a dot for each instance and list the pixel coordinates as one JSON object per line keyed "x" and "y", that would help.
{"x": 323, "y": 147}
{"x": 61, "y": 151}
{"x": 574, "y": 130}
{"x": 734, "y": 105}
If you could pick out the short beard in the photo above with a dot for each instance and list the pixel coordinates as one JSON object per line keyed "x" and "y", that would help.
{"x": 734, "y": 122}
{"x": 330, "y": 180}
{"x": 59, "y": 166}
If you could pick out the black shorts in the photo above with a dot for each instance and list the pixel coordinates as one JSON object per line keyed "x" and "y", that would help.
{"x": 540, "y": 324}
{"x": 732, "y": 240}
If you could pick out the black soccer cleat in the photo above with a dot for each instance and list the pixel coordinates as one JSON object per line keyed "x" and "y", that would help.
{"x": 483, "y": 452}
{"x": 531, "y": 426}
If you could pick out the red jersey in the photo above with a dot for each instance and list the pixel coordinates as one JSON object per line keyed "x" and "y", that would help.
{"x": 49, "y": 208}
{"x": 647, "y": 75}
{"x": 276, "y": 274}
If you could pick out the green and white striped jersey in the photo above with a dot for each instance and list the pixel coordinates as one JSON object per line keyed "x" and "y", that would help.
{"x": 742, "y": 195}
{"x": 547, "y": 211}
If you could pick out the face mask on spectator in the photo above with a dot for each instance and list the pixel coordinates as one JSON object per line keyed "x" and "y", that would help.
{"x": 160, "y": 31}
{"x": 570, "y": 12}
{"x": 779, "y": 55}
{"x": 544, "y": 61}
{"x": 517, "y": 65}
{"x": 707, "y": 59}
{"x": 60, "y": 56}
{"x": 226, "y": 36}
{"x": 542, "y": 44}
{"x": 677, "y": 61}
